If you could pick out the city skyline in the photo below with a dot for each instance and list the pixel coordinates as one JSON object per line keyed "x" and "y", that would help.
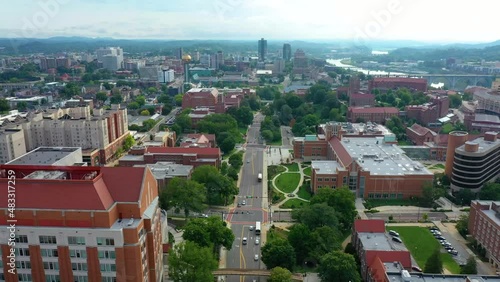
{"x": 425, "y": 20}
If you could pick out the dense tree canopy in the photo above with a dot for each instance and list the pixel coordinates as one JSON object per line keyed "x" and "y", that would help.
{"x": 209, "y": 232}
{"x": 342, "y": 199}
{"x": 434, "y": 264}
{"x": 183, "y": 194}
{"x": 189, "y": 262}
{"x": 278, "y": 252}
{"x": 338, "y": 266}
{"x": 219, "y": 188}
{"x": 317, "y": 215}
{"x": 279, "y": 274}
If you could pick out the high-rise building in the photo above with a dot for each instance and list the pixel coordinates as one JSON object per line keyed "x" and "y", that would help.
{"x": 83, "y": 224}
{"x": 110, "y": 57}
{"x": 262, "y": 49}
{"x": 220, "y": 59}
{"x": 287, "y": 52}
{"x": 166, "y": 76}
{"x": 279, "y": 66}
{"x": 179, "y": 53}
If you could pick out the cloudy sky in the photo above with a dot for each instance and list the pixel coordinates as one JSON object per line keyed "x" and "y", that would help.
{"x": 424, "y": 20}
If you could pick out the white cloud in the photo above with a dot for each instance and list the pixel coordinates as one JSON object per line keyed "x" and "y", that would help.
{"x": 251, "y": 19}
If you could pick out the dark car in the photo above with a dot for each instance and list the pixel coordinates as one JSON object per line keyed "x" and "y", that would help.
{"x": 393, "y": 233}
{"x": 449, "y": 248}
{"x": 440, "y": 238}
{"x": 453, "y": 252}
{"x": 397, "y": 239}
{"x": 416, "y": 268}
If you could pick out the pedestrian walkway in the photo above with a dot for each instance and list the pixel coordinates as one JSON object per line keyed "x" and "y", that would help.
{"x": 276, "y": 207}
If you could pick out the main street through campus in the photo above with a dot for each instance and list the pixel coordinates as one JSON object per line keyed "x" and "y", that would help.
{"x": 255, "y": 209}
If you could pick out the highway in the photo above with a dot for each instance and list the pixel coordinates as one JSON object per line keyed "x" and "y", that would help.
{"x": 241, "y": 218}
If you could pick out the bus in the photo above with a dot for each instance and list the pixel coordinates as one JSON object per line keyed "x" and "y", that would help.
{"x": 257, "y": 228}
{"x": 259, "y": 177}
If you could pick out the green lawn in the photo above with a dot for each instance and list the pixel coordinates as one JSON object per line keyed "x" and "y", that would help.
{"x": 294, "y": 167}
{"x": 304, "y": 192}
{"x": 275, "y": 143}
{"x": 243, "y": 130}
{"x": 437, "y": 166}
{"x": 288, "y": 181}
{"x": 293, "y": 204}
{"x": 421, "y": 244}
{"x": 274, "y": 170}
{"x": 226, "y": 156}
{"x": 275, "y": 233}
{"x": 307, "y": 171}
{"x": 277, "y": 196}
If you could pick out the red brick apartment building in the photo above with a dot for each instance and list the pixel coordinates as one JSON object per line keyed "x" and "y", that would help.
{"x": 215, "y": 101}
{"x": 82, "y": 224}
{"x": 375, "y": 251}
{"x": 484, "y": 226}
{"x": 429, "y": 112}
{"x": 361, "y": 100}
{"x": 194, "y": 156}
{"x": 387, "y": 83}
{"x": 373, "y": 167}
{"x": 373, "y": 114}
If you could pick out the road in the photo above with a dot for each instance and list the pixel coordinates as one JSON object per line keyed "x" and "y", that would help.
{"x": 407, "y": 217}
{"x": 241, "y": 218}
{"x": 286, "y": 137}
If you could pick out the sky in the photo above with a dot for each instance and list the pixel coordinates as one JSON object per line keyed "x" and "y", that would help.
{"x": 420, "y": 20}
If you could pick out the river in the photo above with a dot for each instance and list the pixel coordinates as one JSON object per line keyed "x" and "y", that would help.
{"x": 338, "y": 63}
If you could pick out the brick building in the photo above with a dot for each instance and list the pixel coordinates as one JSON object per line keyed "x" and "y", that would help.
{"x": 201, "y": 98}
{"x": 186, "y": 156}
{"x": 361, "y": 100}
{"x": 199, "y": 140}
{"x": 429, "y": 112}
{"x": 392, "y": 83}
{"x": 419, "y": 134}
{"x": 83, "y": 224}
{"x": 484, "y": 226}
{"x": 373, "y": 114}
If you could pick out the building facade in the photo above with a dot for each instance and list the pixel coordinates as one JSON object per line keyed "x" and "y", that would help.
{"x": 83, "y": 224}
{"x": 262, "y": 49}
{"x": 373, "y": 114}
{"x": 186, "y": 156}
{"x": 392, "y": 83}
{"x": 475, "y": 163}
{"x": 287, "y": 52}
{"x": 12, "y": 144}
{"x": 484, "y": 226}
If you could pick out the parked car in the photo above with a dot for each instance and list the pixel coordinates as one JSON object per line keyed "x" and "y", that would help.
{"x": 243, "y": 202}
{"x": 441, "y": 238}
{"x": 239, "y": 205}
{"x": 416, "y": 268}
{"x": 434, "y": 228}
{"x": 393, "y": 233}
{"x": 397, "y": 239}
{"x": 256, "y": 257}
{"x": 453, "y": 252}
{"x": 449, "y": 248}
{"x": 257, "y": 241}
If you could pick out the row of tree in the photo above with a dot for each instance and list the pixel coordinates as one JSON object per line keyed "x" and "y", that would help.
{"x": 207, "y": 186}
{"x": 317, "y": 238}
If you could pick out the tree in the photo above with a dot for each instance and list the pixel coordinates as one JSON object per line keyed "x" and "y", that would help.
{"x": 227, "y": 145}
{"x": 342, "y": 200}
{"x": 236, "y": 160}
{"x": 470, "y": 267}
{"x": 300, "y": 238}
{"x": 490, "y": 191}
{"x": 279, "y": 274}
{"x": 232, "y": 173}
{"x": 133, "y": 106}
{"x": 338, "y": 266}
{"x": 128, "y": 143}
{"x": 184, "y": 121}
{"x": 4, "y": 105}
{"x": 178, "y": 100}
{"x": 145, "y": 113}
{"x": 189, "y": 262}
{"x": 434, "y": 264}
{"x": 280, "y": 253}
{"x": 209, "y": 232}
{"x": 218, "y": 187}
{"x": 324, "y": 239}
{"x": 430, "y": 194}
{"x": 141, "y": 100}
{"x": 101, "y": 96}
{"x": 22, "y": 106}
{"x": 184, "y": 194}
{"x": 116, "y": 99}
{"x": 317, "y": 215}
{"x": 463, "y": 225}
{"x": 465, "y": 196}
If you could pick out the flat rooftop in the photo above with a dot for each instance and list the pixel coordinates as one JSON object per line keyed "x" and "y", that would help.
{"x": 375, "y": 241}
{"x": 378, "y": 158}
{"x": 484, "y": 146}
{"x": 46, "y": 156}
{"x": 162, "y": 170}
{"x": 325, "y": 167}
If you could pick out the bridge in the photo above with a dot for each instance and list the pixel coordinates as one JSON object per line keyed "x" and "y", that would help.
{"x": 251, "y": 272}
{"x": 451, "y": 80}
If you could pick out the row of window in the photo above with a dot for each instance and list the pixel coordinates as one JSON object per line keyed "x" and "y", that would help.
{"x": 385, "y": 196}
{"x": 72, "y": 240}
{"x": 326, "y": 179}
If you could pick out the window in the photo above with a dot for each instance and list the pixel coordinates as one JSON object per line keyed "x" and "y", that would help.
{"x": 23, "y": 264}
{"x": 393, "y": 196}
{"x": 23, "y": 252}
{"x": 52, "y": 278}
{"x": 108, "y": 267}
{"x": 79, "y": 266}
{"x": 105, "y": 241}
{"x": 80, "y": 278}
{"x": 108, "y": 279}
{"x": 78, "y": 253}
{"x": 23, "y": 277}
{"x": 107, "y": 254}
{"x": 22, "y": 239}
{"x": 72, "y": 240}
{"x": 48, "y": 240}
{"x": 51, "y": 253}
{"x": 320, "y": 179}
{"x": 51, "y": 265}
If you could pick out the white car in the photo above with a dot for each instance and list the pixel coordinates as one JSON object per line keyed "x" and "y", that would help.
{"x": 250, "y": 228}
{"x": 256, "y": 258}
{"x": 257, "y": 241}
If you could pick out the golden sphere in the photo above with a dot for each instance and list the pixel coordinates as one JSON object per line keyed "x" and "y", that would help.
{"x": 186, "y": 58}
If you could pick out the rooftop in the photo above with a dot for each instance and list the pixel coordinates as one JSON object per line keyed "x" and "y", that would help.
{"x": 484, "y": 146}
{"x": 326, "y": 167}
{"x": 375, "y": 241}
{"x": 375, "y": 110}
{"x": 162, "y": 170}
{"x": 49, "y": 156}
{"x": 378, "y": 158}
